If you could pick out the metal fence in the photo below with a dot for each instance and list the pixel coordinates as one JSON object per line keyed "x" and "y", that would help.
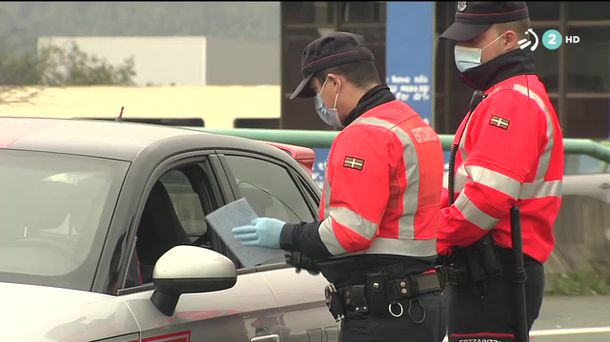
{"x": 323, "y": 139}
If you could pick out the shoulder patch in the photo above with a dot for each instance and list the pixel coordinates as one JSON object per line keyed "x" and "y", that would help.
{"x": 353, "y": 163}
{"x": 499, "y": 122}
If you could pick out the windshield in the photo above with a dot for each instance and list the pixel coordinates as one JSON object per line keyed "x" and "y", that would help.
{"x": 55, "y": 210}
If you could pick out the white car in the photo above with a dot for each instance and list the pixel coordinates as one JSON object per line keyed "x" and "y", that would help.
{"x": 103, "y": 236}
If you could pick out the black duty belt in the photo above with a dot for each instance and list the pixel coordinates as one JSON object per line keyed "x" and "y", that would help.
{"x": 380, "y": 296}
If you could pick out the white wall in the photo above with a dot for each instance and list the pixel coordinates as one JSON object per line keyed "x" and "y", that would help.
{"x": 218, "y": 106}
{"x": 232, "y": 61}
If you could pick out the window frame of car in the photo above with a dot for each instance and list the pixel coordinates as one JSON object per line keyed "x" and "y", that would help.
{"x": 297, "y": 175}
{"x": 208, "y": 161}
{"x": 295, "y": 172}
{"x": 228, "y": 192}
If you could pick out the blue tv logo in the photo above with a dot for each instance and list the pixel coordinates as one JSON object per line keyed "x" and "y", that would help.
{"x": 552, "y": 39}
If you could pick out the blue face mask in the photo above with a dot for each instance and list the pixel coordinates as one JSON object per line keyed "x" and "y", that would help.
{"x": 330, "y": 116}
{"x": 467, "y": 58}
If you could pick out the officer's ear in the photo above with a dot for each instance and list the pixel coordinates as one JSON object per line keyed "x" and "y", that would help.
{"x": 510, "y": 41}
{"x": 335, "y": 80}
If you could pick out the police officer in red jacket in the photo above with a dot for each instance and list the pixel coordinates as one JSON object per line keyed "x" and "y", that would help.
{"x": 508, "y": 151}
{"x": 375, "y": 240}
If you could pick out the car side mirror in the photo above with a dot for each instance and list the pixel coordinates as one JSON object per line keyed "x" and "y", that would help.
{"x": 189, "y": 269}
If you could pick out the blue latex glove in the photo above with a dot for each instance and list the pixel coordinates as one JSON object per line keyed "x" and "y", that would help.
{"x": 261, "y": 232}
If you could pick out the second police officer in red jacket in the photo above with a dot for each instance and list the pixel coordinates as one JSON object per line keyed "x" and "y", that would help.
{"x": 508, "y": 152}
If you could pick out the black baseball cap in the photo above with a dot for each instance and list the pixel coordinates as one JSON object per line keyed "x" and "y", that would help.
{"x": 472, "y": 18}
{"x": 328, "y": 51}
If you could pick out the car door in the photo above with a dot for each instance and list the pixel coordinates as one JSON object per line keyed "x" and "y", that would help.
{"x": 582, "y": 229}
{"x": 587, "y": 176}
{"x": 190, "y": 189}
{"x": 276, "y": 189}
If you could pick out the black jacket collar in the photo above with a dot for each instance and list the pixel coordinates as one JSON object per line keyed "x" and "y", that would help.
{"x": 374, "y": 97}
{"x": 485, "y": 76}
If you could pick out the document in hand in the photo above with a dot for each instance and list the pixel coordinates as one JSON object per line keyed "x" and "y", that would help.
{"x": 235, "y": 214}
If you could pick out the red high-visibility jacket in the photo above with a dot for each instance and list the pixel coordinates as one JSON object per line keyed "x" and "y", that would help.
{"x": 510, "y": 152}
{"x": 383, "y": 184}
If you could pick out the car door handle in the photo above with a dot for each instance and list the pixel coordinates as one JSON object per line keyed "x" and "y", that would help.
{"x": 604, "y": 186}
{"x": 266, "y": 338}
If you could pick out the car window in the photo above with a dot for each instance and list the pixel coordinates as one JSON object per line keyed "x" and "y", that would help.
{"x": 186, "y": 202}
{"x": 174, "y": 214}
{"x": 54, "y": 210}
{"x": 269, "y": 189}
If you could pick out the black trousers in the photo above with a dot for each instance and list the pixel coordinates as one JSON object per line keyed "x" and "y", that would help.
{"x": 487, "y": 312}
{"x": 357, "y": 327}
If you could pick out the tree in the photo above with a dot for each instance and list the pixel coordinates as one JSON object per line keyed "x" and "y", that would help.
{"x": 70, "y": 66}
{"x": 18, "y": 69}
{"x": 17, "y": 72}
{"x": 59, "y": 66}
{"x": 56, "y": 66}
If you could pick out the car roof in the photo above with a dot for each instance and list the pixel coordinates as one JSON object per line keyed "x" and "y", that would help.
{"x": 113, "y": 140}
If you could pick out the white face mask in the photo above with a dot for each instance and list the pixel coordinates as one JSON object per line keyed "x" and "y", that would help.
{"x": 467, "y": 58}
{"x": 330, "y": 116}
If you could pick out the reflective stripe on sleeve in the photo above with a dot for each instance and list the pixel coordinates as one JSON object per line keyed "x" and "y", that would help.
{"x": 356, "y": 226}
{"x": 353, "y": 221}
{"x": 461, "y": 178}
{"x": 494, "y": 180}
{"x": 545, "y": 158}
{"x": 540, "y": 190}
{"x": 327, "y": 235}
{"x": 473, "y": 214}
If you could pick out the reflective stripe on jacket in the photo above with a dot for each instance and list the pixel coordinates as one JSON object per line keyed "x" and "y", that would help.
{"x": 383, "y": 185}
{"x": 510, "y": 153}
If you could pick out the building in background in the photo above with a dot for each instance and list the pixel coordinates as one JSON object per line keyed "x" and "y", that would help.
{"x": 303, "y": 22}
{"x": 252, "y": 43}
{"x": 240, "y": 65}
{"x": 577, "y": 75}
{"x": 190, "y": 60}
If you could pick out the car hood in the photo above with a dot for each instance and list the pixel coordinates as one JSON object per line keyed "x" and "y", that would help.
{"x": 40, "y": 313}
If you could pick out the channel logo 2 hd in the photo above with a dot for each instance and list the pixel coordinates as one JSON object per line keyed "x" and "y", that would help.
{"x": 551, "y": 39}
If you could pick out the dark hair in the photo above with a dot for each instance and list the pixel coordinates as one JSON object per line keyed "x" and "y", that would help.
{"x": 361, "y": 74}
